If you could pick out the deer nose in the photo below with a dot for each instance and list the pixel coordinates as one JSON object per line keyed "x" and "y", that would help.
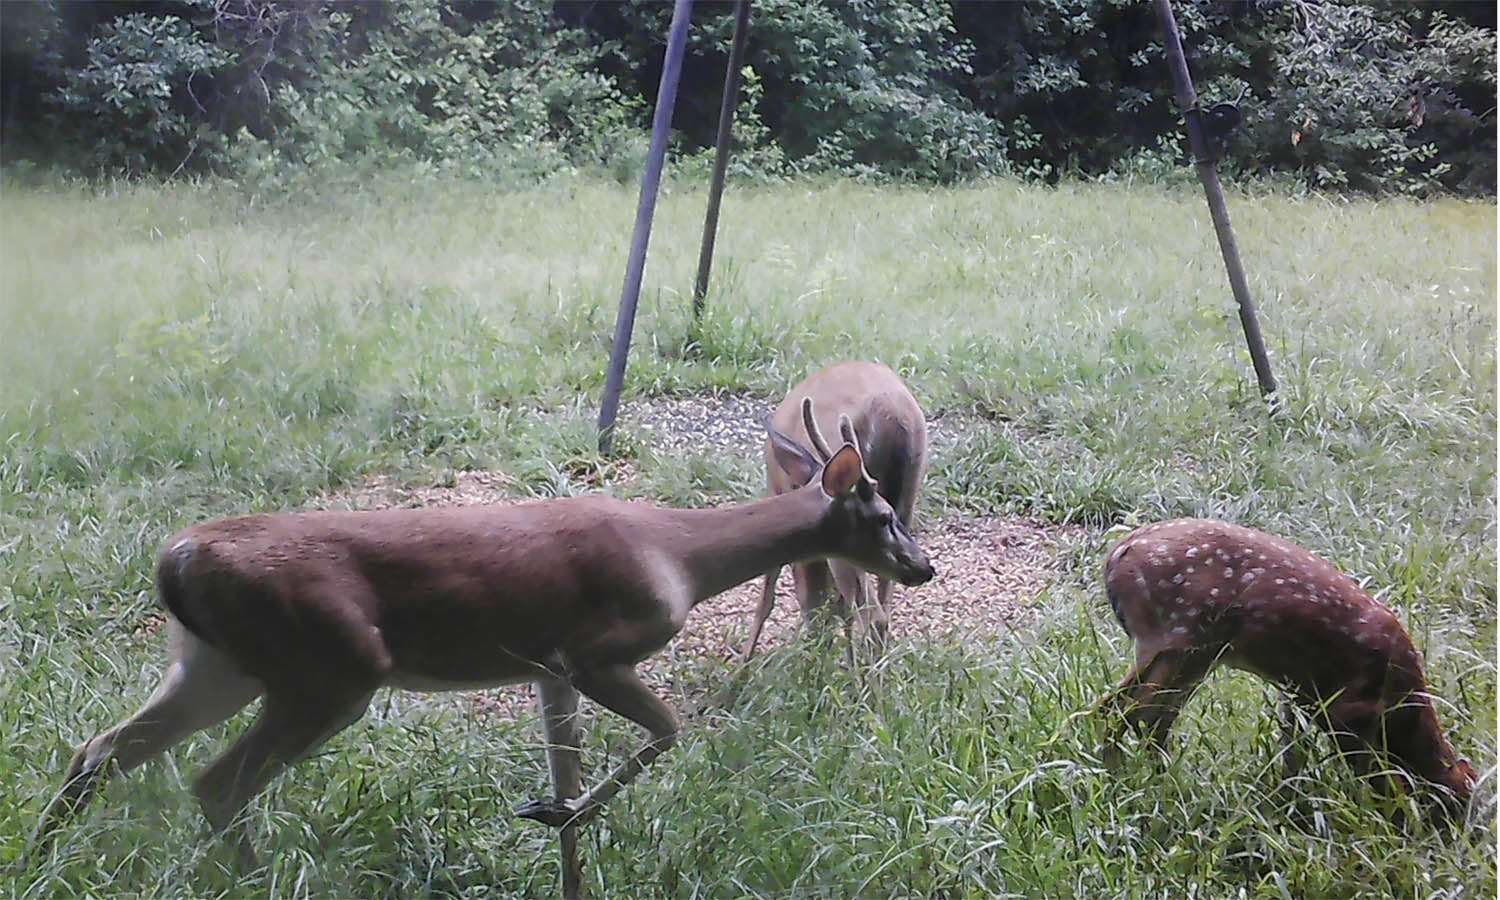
{"x": 920, "y": 574}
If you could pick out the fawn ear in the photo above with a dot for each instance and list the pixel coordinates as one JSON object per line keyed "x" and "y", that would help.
{"x": 796, "y": 462}
{"x": 843, "y": 471}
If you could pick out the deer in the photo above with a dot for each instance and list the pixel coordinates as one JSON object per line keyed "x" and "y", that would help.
{"x": 873, "y": 410}
{"x": 1194, "y": 594}
{"x": 312, "y": 612}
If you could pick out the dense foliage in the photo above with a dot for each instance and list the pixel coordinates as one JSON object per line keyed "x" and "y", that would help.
{"x": 1335, "y": 93}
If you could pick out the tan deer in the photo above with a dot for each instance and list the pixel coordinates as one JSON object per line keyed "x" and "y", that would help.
{"x": 1195, "y": 593}
{"x": 874, "y": 411}
{"x": 313, "y": 612}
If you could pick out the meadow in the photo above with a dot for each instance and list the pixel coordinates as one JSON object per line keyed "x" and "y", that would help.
{"x": 173, "y": 353}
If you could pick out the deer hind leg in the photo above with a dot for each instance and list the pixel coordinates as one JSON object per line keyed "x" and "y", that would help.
{"x": 762, "y": 613}
{"x": 282, "y": 733}
{"x": 559, "y": 701}
{"x": 201, "y": 687}
{"x": 618, "y": 688}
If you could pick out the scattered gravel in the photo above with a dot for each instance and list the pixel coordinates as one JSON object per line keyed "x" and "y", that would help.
{"x": 731, "y": 423}
{"x": 736, "y": 423}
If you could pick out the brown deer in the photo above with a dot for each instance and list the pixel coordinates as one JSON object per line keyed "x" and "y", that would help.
{"x": 1194, "y": 593}
{"x": 874, "y": 411}
{"x": 313, "y": 612}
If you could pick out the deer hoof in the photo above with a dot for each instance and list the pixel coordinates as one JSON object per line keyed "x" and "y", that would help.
{"x": 556, "y": 813}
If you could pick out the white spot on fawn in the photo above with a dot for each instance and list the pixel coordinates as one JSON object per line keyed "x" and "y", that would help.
{"x": 1192, "y": 553}
{"x": 1178, "y": 578}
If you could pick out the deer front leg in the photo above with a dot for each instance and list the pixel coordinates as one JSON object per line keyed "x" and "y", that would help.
{"x": 762, "y": 613}
{"x": 854, "y": 590}
{"x": 882, "y": 622}
{"x": 618, "y": 688}
{"x": 559, "y": 701}
{"x": 1293, "y": 758}
{"x": 1152, "y": 695}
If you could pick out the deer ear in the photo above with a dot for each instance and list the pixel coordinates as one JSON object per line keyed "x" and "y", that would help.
{"x": 843, "y": 471}
{"x": 792, "y": 459}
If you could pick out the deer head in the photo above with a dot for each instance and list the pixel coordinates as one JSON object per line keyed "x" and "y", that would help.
{"x": 869, "y": 533}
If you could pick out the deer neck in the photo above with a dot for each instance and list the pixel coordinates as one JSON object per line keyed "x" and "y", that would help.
{"x": 729, "y": 545}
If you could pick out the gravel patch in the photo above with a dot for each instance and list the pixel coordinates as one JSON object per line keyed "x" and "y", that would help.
{"x": 730, "y": 423}
{"x": 736, "y": 423}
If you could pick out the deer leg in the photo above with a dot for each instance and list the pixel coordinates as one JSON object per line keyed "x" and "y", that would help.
{"x": 559, "y": 702}
{"x": 1172, "y": 678}
{"x": 814, "y": 584}
{"x": 882, "y": 619}
{"x": 618, "y": 688}
{"x": 200, "y": 688}
{"x": 1293, "y": 758}
{"x": 1111, "y": 704}
{"x": 854, "y": 589}
{"x": 762, "y": 613}
{"x": 1154, "y": 692}
{"x": 885, "y": 587}
{"x": 1356, "y": 727}
{"x": 282, "y": 733}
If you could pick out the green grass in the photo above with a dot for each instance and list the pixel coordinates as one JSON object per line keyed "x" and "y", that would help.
{"x": 175, "y": 353}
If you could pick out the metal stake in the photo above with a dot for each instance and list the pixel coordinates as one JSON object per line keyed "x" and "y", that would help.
{"x": 721, "y": 154}
{"x": 661, "y": 123}
{"x": 1187, "y": 98}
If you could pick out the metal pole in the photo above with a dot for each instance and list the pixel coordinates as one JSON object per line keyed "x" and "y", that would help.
{"x": 721, "y": 154}
{"x": 661, "y": 123}
{"x": 1187, "y": 98}
{"x": 572, "y": 872}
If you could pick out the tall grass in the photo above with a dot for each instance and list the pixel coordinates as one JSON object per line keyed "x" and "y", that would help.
{"x": 174, "y": 353}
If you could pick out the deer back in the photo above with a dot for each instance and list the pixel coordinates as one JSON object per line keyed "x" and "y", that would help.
{"x": 886, "y": 418}
{"x": 1261, "y": 602}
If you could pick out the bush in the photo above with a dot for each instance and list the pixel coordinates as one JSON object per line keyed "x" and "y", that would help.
{"x": 1336, "y": 94}
{"x": 133, "y": 104}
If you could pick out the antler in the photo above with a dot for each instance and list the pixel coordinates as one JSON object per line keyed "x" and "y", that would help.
{"x": 846, "y": 428}
{"x": 813, "y": 433}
